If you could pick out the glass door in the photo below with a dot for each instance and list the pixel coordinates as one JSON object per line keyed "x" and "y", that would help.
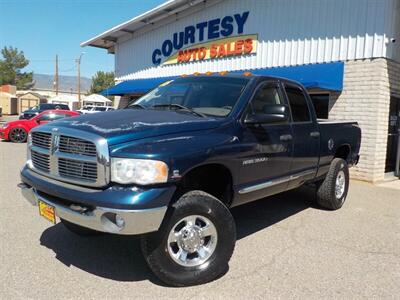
{"x": 393, "y": 144}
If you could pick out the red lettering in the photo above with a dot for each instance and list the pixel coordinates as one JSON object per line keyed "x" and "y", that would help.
{"x": 202, "y": 53}
{"x": 181, "y": 57}
{"x": 213, "y": 51}
{"x": 239, "y": 47}
{"x": 248, "y": 46}
{"x": 221, "y": 50}
{"x": 229, "y": 51}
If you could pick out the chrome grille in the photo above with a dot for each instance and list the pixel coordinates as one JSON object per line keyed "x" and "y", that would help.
{"x": 41, "y": 139}
{"x": 76, "y": 146}
{"x": 77, "y": 169}
{"x": 70, "y": 155}
{"x": 40, "y": 161}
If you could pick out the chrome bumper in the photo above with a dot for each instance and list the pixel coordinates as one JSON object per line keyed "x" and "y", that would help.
{"x": 102, "y": 218}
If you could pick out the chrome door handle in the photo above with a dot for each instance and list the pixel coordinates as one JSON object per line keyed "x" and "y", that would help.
{"x": 314, "y": 134}
{"x": 286, "y": 137}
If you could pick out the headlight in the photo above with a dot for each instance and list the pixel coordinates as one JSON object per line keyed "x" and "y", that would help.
{"x": 140, "y": 171}
{"x": 4, "y": 126}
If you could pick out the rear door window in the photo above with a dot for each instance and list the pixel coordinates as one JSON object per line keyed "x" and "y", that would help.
{"x": 298, "y": 104}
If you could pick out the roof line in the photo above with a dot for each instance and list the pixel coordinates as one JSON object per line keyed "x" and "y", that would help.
{"x": 135, "y": 19}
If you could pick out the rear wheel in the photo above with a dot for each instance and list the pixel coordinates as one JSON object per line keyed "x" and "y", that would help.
{"x": 195, "y": 242}
{"x": 332, "y": 192}
{"x": 18, "y": 135}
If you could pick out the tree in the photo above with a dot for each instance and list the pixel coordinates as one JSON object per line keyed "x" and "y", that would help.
{"x": 11, "y": 69}
{"x": 101, "y": 81}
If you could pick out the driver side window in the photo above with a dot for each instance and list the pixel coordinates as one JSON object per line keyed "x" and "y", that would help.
{"x": 51, "y": 116}
{"x": 268, "y": 94}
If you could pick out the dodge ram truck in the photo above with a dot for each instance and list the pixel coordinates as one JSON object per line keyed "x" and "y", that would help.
{"x": 172, "y": 164}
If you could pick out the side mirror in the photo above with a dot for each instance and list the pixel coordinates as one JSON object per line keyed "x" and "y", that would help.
{"x": 271, "y": 114}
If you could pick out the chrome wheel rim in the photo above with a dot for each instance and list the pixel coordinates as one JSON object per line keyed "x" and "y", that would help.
{"x": 340, "y": 184}
{"x": 192, "y": 241}
{"x": 18, "y": 135}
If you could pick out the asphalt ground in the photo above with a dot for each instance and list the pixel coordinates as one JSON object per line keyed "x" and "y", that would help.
{"x": 287, "y": 248}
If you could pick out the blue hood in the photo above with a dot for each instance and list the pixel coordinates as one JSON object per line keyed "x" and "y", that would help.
{"x": 129, "y": 124}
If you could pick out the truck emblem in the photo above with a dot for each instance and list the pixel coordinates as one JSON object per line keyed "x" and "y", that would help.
{"x": 331, "y": 143}
{"x": 254, "y": 161}
{"x": 55, "y": 142}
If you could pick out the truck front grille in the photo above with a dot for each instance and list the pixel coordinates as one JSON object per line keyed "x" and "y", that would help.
{"x": 41, "y": 161}
{"x": 76, "y": 146}
{"x": 77, "y": 169}
{"x": 41, "y": 139}
{"x": 70, "y": 155}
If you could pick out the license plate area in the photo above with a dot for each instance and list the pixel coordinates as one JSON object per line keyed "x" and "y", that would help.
{"x": 47, "y": 211}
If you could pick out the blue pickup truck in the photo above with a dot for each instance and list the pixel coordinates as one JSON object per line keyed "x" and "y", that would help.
{"x": 171, "y": 165}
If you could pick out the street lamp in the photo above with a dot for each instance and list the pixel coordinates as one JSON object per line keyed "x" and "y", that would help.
{"x": 78, "y": 61}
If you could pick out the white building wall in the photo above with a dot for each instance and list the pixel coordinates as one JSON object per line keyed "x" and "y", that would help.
{"x": 291, "y": 32}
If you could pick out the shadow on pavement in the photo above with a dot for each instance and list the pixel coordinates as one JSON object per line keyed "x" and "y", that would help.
{"x": 119, "y": 257}
{"x": 258, "y": 215}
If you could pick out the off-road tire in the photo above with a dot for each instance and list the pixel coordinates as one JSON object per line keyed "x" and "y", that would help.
{"x": 326, "y": 196}
{"x": 79, "y": 230}
{"x": 154, "y": 245}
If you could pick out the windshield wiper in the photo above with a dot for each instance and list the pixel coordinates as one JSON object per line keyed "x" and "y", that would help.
{"x": 182, "y": 108}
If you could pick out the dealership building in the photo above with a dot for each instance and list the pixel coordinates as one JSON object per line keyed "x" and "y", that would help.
{"x": 346, "y": 53}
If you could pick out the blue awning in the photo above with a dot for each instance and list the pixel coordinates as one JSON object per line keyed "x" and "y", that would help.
{"x": 326, "y": 76}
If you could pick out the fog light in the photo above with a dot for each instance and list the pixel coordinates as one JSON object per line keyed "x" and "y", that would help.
{"x": 119, "y": 221}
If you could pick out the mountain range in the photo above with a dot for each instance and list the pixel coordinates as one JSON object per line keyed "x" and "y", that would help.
{"x": 65, "y": 83}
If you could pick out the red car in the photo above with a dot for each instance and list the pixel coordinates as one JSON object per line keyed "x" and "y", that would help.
{"x": 17, "y": 131}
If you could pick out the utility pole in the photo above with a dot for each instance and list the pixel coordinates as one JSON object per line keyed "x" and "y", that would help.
{"x": 78, "y": 61}
{"x": 56, "y": 76}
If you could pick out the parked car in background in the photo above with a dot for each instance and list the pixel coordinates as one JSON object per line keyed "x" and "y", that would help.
{"x": 35, "y": 110}
{"x": 94, "y": 109}
{"x": 17, "y": 131}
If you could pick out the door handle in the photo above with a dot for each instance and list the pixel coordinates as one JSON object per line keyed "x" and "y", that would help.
{"x": 314, "y": 134}
{"x": 285, "y": 137}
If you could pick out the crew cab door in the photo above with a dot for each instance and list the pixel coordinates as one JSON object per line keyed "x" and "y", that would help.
{"x": 306, "y": 136}
{"x": 265, "y": 163}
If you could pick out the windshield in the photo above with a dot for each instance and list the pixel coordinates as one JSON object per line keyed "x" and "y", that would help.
{"x": 100, "y": 108}
{"x": 214, "y": 96}
{"x": 34, "y": 108}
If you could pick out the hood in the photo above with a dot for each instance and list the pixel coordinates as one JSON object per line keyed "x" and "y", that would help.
{"x": 17, "y": 122}
{"x": 129, "y": 124}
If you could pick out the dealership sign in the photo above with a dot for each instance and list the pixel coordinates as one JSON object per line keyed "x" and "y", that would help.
{"x": 233, "y": 46}
{"x": 225, "y": 33}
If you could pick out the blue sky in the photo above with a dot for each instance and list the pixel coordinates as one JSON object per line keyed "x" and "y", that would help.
{"x": 44, "y": 28}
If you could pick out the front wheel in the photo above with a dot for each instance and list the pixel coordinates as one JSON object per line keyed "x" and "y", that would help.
{"x": 195, "y": 242}
{"x": 18, "y": 135}
{"x": 332, "y": 192}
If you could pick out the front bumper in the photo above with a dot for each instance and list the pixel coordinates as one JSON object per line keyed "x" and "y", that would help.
{"x": 101, "y": 218}
{"x": 3, "y": 134}
{"x": 141, "y": 209}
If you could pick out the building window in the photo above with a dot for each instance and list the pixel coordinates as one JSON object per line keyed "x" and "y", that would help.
{"x": 321, "y": 105}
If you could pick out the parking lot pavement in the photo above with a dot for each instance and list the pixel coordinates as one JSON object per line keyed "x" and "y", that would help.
{"x": 286, "y": 249}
